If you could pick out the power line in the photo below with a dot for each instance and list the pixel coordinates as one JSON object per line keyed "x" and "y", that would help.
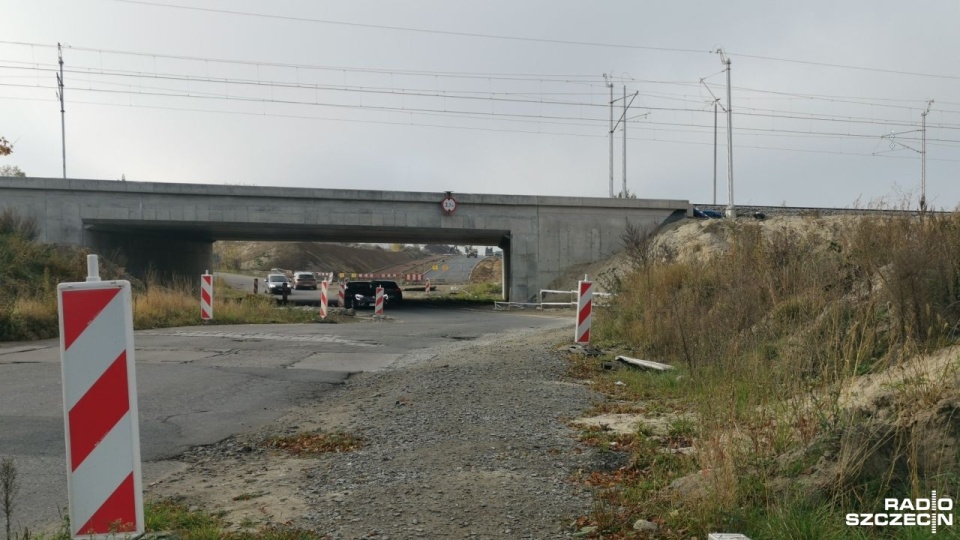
{"x": 444, "y": 94}
{"x": 550, "y": 78}
{"x": 840, "y": 66}
{"x": 535, "y": 40}
{"x": 534, "y": 77}
{"x": 417, "y": 30}
{"x": 344, "y": 88}
{"x": 479, "y": 95}
{"x": 473, "y": 128}
{"x": 527, "y": 118}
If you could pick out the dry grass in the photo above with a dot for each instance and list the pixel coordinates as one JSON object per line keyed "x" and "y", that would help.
{"x": 768, "y": 334}
{"x": 312, "y": 444}
{"x": 30, "y": 272}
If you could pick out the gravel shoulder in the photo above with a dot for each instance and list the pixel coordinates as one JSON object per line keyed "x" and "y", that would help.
{"x": 469, "y": 440}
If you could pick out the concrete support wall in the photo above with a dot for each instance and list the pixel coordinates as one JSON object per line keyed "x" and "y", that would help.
{"x": 170, "y": 227}
{"x": 142, "y": 253}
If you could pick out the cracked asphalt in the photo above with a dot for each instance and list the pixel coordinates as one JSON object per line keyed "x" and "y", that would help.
{"x": 199, "y": 385}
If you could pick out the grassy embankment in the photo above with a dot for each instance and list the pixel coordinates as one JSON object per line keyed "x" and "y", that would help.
{"x": 30, "y": 272}
{"x": 812, "y": 381}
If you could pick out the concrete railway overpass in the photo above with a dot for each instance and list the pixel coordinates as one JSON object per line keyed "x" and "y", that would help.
{"x": 171, "y": 227}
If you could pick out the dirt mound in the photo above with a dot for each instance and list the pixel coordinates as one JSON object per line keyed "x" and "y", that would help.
{"x": 701, "y": 239}
{"x": 262, "y": 256}
{"x": 488, "y": 270}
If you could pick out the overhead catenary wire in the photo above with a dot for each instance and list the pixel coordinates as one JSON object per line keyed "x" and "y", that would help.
{"x": 530, "y": 98}
{"x": 491, "y": 96}
{"x": 472, "y": 128}
{"x": 553, "y": 78}
{"x": 481, "y": 35}
{"x": 412, "y": 29}
{"x": 154, "y": 92}
{"x": 573, "y": 79}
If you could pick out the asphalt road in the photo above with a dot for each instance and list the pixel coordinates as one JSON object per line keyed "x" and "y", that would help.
{"x": 301, "y": 297}
{"x": 198, "y": 385}
{"x": 455, "y": 269}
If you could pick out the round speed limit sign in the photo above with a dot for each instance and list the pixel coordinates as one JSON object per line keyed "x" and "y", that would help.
{"x": 448, "y": 205}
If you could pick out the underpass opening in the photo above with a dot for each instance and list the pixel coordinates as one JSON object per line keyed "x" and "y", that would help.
{"x": 186, "y": 249}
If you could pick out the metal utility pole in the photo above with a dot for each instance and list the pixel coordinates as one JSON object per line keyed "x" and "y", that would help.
{"x": 731, "y": 210}
{"x": 63, "y": 122}
{"x": 716, "y": 105}
{"x": 624, "y": 192}
{"x": 610, "y": 85}
{"x": 714, "y": 152}
{"x": 623, "y": 118}
{"x": 923, "y": 157}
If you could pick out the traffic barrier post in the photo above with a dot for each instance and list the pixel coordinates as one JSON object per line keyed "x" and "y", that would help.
{"x": 256, "y": 284}
{"x": 101, "y": 420}
{"x": 340, "y": 294}
{"x": 323, "y": 299}
{"x": 427, "y": 287}
{"x": 584, "y": 311}
{"x": 206, "y": 296}
{"x": 378, "y": 310}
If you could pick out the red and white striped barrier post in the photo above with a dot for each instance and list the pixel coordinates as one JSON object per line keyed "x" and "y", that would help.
{"x": 584, "y": 311}
{"x": 101, "y": 422}
{"x": 427, "y": 287}
{"x": 378, "y": 308}
{"x": 340, "y": 294}
{"x": 323, "y": 299}
{"x": 206, "y": 296}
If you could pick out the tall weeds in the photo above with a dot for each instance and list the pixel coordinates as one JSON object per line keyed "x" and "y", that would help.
{"x": 770, "y": 331}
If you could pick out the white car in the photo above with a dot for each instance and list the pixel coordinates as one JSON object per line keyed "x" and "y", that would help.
{"x": 276, "y": 283}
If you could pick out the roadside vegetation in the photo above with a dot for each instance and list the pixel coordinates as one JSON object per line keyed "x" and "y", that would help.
{"x": 314, "y": 444}
{"x": 30, "y": 272}
{"x": 816, "y": 375}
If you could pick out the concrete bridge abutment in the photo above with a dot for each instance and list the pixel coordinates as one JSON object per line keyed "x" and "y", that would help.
{"x": 162, "y": 255}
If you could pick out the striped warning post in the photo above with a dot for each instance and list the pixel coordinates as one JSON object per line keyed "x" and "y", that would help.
{"x": 100, "y": 408}
{"x": 340, "y": 293}
{"x": 427, "y": 286}
{"x": 584, "y": 311}
{"x": 378, "y": 308}
{"x": 323, "y": 299}
{"x": 206, "y": 296}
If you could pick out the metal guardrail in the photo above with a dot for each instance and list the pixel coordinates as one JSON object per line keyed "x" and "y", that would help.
{"x": 541, "y": 304}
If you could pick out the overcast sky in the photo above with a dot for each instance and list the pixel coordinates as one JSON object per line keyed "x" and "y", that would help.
{"x": 491, "y": 97}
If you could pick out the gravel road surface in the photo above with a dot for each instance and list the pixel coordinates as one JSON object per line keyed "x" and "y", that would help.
{"x": 469, "y": 440}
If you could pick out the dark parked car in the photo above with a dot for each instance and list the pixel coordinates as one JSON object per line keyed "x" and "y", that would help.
{"x": 706, "y": 214}
{"x": 277, "y": 283}
{"x": 364, "y": 293}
